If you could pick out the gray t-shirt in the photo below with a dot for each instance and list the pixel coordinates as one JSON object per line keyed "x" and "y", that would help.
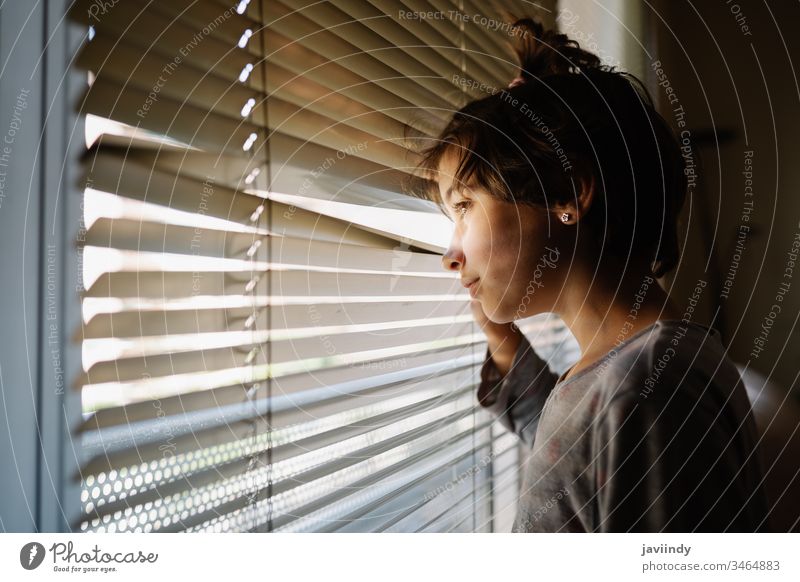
{"x": 656, "y": 436}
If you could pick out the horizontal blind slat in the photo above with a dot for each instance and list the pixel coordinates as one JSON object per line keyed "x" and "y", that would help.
{"x": 331, "y": 386}
{"x": 184, "y": 482}
{"x": 232, "y": 500}
{"x": 396, "y": 473}
{"x": 185, "y": 122}
{"x": 193, "y": 353}
{"x": 157, "y": 387}
{"x": 145, "y": 178}
{"x": 426, "y": 484}
{"x": 350, "y": 46}
{"x": 280, "y": 317}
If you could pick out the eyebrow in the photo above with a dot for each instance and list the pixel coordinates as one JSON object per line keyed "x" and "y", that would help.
{"x": 450, "y": 190}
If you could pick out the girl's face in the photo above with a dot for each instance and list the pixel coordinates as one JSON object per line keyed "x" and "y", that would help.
{"x": 504, "y": 247}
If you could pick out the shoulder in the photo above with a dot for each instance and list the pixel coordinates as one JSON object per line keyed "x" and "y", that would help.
{"x": 666, "y": 360}
{"x": 694, "y": 397}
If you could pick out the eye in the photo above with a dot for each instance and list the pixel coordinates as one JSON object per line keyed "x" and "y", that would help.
{"x": 462, "y": 205}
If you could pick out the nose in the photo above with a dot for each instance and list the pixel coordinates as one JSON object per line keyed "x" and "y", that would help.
{"x": 453, "y": 259}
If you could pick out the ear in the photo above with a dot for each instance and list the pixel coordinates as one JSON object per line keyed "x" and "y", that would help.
{"x": 586, "y": 195}
{"x": 578, "y": 207}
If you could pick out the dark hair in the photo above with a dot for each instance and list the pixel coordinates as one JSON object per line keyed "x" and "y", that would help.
{"x": 570, "y": 123}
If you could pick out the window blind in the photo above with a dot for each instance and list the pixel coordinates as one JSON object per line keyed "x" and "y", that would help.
{"x": 270, "y": 342}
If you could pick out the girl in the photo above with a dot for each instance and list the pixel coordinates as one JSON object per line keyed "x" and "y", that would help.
{"x": 565, "y": 190}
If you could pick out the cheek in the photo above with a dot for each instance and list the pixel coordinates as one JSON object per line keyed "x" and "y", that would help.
{"x": 478, "y": 245}
{"x": 510, "y": 249}
{"x": 502, "y": 244}
{"x": 519, "y": 256}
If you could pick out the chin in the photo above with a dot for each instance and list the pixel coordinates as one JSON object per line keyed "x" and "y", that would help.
{"x": 499, "y": 317}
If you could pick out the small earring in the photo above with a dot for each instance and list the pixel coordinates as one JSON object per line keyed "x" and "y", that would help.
{"x": 564, "y": 217}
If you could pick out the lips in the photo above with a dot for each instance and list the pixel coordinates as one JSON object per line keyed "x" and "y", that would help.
{"x": 471, "y": 286}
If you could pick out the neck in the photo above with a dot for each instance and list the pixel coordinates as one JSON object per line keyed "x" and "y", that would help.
{"x": 606, "y": 304}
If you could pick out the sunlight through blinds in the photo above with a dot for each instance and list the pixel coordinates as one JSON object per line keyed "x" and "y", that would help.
{"x": 270, "y": 342}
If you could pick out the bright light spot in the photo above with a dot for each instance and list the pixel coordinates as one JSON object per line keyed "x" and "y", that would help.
{"x": 252, "y": 176}
{"x": 251, "y": 284}
{"x": 256, "y": 213}
{"x": 245, "y": 72}
{"x": 248, "y": 107}
{"x": 253, "y": 248}
{"x": 245, "y": 37}
{"x": 249, "y": 143}
{"x": 242, "y": 6}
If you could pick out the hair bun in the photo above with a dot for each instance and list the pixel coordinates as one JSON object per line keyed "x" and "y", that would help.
{"x": 542, "y": 53}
